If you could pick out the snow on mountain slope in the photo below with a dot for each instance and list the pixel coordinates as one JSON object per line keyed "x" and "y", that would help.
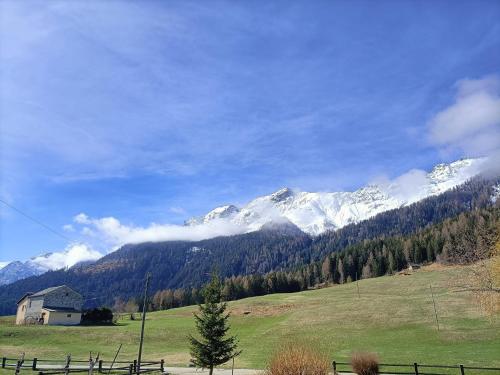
{"x": 223, "y": 212}
{"x": 18, "y": 270}
{"x": 315, "y": 213}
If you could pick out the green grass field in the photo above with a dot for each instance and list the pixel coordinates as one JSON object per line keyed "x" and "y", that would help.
{"x": 394, "y": 317}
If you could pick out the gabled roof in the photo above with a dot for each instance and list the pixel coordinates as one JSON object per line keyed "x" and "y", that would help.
{"x": 48, "y": 290}
{"x": 44, "y": 292}
{"x": 23, "y": 297}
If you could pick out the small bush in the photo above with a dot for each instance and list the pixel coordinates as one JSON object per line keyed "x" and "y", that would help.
{"x": 297, "y": 360}
{"x": 97, "y": 316}
{"x": 364, "y": 363}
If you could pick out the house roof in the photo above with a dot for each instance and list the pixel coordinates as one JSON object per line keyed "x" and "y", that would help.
{"x": 23, "y": 297}
{"x": 48, "y": 290}
{"x": 43, "y": 292}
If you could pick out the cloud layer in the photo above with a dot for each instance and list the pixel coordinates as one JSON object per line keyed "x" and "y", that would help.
{"x": 114, "y": 233}
{"x": 73, "y": 254}
{"x": 472, "y": 123}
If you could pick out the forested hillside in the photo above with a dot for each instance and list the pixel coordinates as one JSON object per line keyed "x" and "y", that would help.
{"x": 374, "y": 247}
{"x": 467, "y": 238}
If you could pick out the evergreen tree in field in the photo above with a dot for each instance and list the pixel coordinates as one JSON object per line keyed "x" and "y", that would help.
{"x": 215, "y": 347}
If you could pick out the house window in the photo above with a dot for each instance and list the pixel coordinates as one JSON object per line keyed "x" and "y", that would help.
{"x": 68, "y": 316}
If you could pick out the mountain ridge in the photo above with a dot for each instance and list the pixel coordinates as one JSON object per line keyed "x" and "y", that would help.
{"x": 317, "y": 212}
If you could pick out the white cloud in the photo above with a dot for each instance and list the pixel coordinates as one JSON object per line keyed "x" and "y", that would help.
{"x": 114, "y": 233}
{"x": 73, "y": 254}
{"x": 472, "y": 123}
{"x": 81, "y": 218}
{"x": 406, "y": 187}
{"x": 68, "y": 228}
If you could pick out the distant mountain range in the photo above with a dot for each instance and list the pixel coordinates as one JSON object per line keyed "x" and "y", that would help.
{"x": 309, "y": 212}
{"x": 316, "y": 213}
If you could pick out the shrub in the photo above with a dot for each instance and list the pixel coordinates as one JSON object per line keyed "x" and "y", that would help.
{"x": 364, "y": 363}
{"x": 297, "y": 360}
{"x": 101, "y": 315}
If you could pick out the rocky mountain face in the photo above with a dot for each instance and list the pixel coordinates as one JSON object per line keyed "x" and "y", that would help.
{"x": 317, "y": 212}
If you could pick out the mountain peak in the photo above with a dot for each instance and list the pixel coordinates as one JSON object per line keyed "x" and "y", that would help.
{"x": 221, "y": 212}
{"x": 282, "y": 194}
{"x": 315, "y": 213}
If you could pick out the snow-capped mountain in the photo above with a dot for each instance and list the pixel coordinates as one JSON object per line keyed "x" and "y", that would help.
{"x": 74, "y": 255}
{"x": 18, "y": 270}
{"x": 317, "y": 212}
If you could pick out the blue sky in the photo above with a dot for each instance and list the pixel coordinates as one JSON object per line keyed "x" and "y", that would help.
{"x": 156, "y": 111}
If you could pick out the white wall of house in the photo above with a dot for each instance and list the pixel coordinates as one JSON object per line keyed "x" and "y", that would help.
{"x": 61, "y": 318}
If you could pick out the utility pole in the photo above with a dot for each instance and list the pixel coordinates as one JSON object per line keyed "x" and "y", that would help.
{"x": 144, "y": 308}
{"x": 434, "y": 303}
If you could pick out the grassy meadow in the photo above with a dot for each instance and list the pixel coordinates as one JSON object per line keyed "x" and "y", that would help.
{"x": 393, "y": 316}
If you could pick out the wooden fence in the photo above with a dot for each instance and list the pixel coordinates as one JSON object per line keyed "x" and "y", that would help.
{"x": 421, "y": 369}
{"x": 90, "y": 366}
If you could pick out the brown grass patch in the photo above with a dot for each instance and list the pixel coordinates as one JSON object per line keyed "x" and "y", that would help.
{"x": 297, "y": 360}
{"x": 364, "y": 363}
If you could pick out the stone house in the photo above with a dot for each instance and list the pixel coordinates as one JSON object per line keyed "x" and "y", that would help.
{"x": 59, "y": 305}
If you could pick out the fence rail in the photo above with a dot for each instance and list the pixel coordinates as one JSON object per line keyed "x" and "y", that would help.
{"x": 54, "y": 366}
{"x": 420, "y": 369}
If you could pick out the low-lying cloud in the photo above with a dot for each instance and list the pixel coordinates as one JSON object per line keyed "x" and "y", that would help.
{"x": 114, "y": 233}
{"x": 73, "y": 254}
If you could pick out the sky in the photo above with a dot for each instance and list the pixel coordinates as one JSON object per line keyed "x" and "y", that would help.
{"x": 144, "y": 114}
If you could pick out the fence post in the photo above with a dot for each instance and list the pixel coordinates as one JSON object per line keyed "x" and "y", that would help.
{"x": 415, "y": 365}
{"x": 462, "y": 370}
{"x": 162, "y": 364}
{"x": 131, "y": 369}
{"x": 135, "y": 365}
{"x": 19, "y": 364}
{"x": 68, "y": 361}
{"x": 100, "y": 365}
{"x": 334, "y": 365}
{"x": 34, "y": 364}
{"x": 4, "y": 360}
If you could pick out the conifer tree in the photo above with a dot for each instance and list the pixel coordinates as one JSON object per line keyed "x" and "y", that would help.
{"x": 215, "y": 347}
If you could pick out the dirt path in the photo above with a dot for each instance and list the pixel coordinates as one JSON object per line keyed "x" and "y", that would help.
{"x": 194, "y": 371}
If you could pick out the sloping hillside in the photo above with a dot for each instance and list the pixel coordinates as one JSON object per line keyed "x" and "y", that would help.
{"x": 393, "y": 316}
